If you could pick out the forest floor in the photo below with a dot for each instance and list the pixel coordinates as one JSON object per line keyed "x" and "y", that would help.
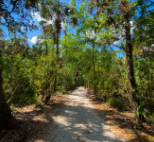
{"x": 122, "y": 124}
{"x": 76, "y": 117}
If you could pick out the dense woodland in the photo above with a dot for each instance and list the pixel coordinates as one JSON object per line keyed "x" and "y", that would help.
{"x": 104, "y": 45}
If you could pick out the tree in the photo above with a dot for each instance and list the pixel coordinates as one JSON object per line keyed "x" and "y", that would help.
{"x": 106, "y": 16}
{"x": 7, "y": 13}
{"x": 58, "y": 12}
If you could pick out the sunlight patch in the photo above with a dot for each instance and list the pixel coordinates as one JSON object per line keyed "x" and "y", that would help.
{"x": 61, "y": 120}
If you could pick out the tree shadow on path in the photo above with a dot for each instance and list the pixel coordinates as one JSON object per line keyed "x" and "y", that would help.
{"x": 124, "y": 123}
{"x": 78, "y": 122}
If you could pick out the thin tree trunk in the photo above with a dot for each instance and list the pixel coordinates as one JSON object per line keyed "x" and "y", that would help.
{"x": 85, "y": 83}
{"x": 55, "y": 82}
{"x": 57, "y": 52}
{"x": 46, "y": 48}
{"x": 129, "y": 59}
{"x": 94, "y": 69}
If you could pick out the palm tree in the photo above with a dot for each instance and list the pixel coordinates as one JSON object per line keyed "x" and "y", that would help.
{"x": 57, "y": 13}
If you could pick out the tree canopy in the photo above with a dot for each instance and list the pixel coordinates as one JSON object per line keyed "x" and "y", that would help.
{"x": 78, "y": 47}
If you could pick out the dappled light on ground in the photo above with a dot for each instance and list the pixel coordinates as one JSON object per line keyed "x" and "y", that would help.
{"x": 78, "y": 121}
{"x": 77, "y": 118}
{"x": 123, "y": 124}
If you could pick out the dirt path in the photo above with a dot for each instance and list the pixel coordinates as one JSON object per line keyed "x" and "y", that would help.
{"x": 77, "y": 121}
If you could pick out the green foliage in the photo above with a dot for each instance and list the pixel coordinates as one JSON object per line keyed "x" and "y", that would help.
{"x": 141, "y": 111}
{"x": 87, "y": 56}
{"x": 117, "y": 103}
{"x": 23, "y": 77}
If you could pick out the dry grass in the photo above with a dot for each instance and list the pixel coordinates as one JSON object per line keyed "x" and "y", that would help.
{"x": 123, "y": 124}
{"x": 34, "y": 120}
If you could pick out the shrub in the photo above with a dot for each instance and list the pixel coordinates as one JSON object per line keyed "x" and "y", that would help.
{"x": 117, "y": 103}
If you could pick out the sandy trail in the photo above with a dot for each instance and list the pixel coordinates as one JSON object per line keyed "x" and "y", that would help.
{"x": 77, "y": 121}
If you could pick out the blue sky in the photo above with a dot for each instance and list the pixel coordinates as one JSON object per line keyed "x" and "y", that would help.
{"x": 32, "y": 35}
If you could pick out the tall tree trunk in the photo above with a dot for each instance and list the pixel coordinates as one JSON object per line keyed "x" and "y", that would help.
{"x": 6, "y": 118}
{"x": 85, "y": 83}
{"x": 94, "y": 69}
{"x": 46, "y": 48}
{"x": 57, "y": 52}
{"x": 129, "y": 59}
{"x": 76, "y": 79}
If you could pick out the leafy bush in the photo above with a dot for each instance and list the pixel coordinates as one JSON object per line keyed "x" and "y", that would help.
{"x": 142, "y": 113}
{"x": 117, "y": 103}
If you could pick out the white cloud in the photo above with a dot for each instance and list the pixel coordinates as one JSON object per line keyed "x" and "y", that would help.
{"x": 131, "y": 23}
{"x": 38, "y": 18}
{"x": 116, "y": 42}
{"x": 63, "y": 24}
{"x": 34, "y": 39}
{"x": 39, "y": 5}
{"x": 121, "y": 33}
{"x": 92, "y": 35}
